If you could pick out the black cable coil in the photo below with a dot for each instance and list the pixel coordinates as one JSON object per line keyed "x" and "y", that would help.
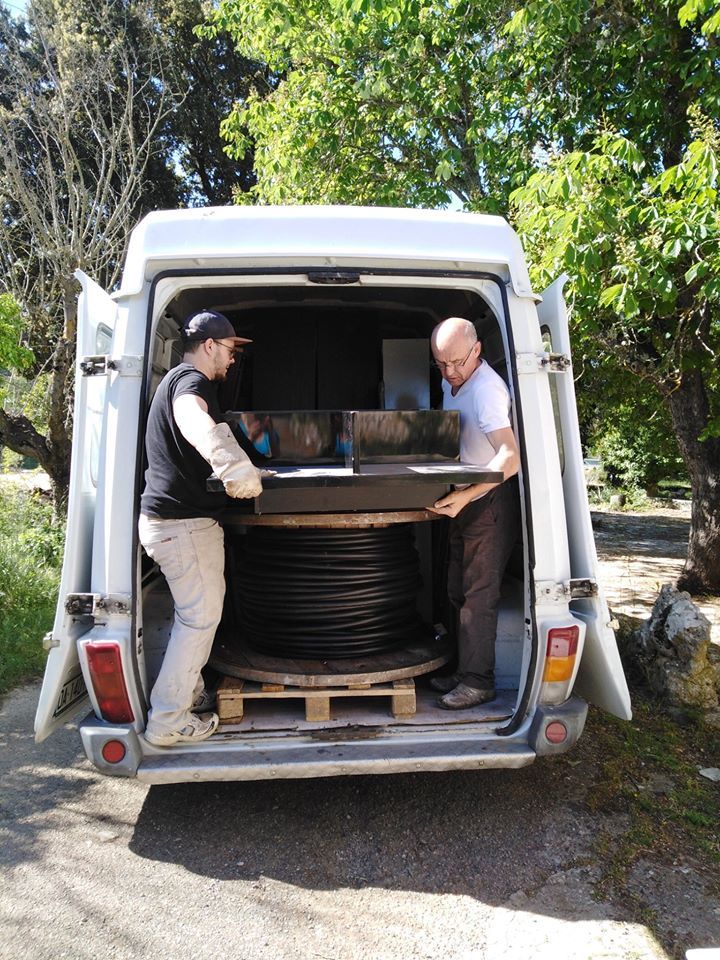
{"x": 328, "y": 594}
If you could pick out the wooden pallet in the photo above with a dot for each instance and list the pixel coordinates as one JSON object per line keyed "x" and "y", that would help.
{"x": 232, "y": 694}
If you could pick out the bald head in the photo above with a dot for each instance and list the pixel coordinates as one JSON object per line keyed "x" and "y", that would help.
{"x": 454, "y": 330}
{"x": 456, "y": 350}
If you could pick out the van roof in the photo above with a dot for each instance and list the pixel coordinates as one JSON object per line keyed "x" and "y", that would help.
{"x": 203, "y": 236}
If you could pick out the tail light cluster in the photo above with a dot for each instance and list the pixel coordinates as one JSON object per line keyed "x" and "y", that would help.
{"x": 560, "y": 661}
{"x": 108, "y": 681}
{"x": 562, "y": 645}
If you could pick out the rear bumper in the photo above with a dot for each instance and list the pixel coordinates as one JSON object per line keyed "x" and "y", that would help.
{"x": 227, "y": 757}
{"x": 332, "y": 753}
{"x": 330, "y": 760}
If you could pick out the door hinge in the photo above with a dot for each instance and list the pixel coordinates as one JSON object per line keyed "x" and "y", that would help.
{"x": 535, "y": 362}
{"x": 97, "y": 604}
{"x": 550, "y": 591}
{"x": 555, "y": 362}
{"x": 583, "y": 587}
{"x": 99, "y": 365}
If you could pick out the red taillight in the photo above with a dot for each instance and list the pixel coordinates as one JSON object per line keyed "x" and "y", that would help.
{"x": 556, "y": 732}
{"x": 563, "y": 641}
{"x": 113, "y": 751}
{"x": 562, "y": 644}
{"x": 108, "y": 682}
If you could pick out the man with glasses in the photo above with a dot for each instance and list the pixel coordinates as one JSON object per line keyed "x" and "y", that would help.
{"x": 485, "y": 517}
{"x": 186, "y": 441}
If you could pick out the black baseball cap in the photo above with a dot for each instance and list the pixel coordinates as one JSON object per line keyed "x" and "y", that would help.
{"x": 210, "y": 325}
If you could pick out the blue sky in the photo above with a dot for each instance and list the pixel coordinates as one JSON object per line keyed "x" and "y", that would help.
{"x": 17, "y": 6}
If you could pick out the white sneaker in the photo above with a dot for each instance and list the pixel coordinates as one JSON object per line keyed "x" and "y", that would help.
{"x": 199, "y": 727}
{"x": 204, "y": 701}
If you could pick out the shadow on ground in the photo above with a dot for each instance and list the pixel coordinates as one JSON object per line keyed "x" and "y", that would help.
{"x": 483, "y": 834}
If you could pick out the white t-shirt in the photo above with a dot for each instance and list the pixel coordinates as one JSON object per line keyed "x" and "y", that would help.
{"x": 484, "y": 405}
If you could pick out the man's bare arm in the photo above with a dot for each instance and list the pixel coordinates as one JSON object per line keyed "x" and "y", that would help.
{"x": 506, "y": 459}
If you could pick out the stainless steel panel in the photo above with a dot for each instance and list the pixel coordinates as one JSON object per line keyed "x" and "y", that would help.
{"x": 351, "y": 436}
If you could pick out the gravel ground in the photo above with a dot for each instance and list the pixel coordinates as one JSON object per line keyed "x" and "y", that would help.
{"x": 497, "y": 864}
{"x": 493, "y": 865}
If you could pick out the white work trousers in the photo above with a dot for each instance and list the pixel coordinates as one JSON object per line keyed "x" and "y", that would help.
{"x": 191, "y": 555}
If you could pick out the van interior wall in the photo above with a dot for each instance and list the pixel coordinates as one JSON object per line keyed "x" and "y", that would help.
{"x": 320, "y": 348}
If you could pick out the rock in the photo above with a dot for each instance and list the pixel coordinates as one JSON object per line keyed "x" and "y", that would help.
{"x": 675, "y": 654}
{"x": 617, "y": 501}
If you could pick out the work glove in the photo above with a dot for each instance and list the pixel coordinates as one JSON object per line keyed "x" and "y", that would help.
{"x": 230, "y": 463}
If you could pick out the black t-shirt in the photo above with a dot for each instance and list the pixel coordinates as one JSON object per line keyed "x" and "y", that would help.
{"x": 176, "y": 476}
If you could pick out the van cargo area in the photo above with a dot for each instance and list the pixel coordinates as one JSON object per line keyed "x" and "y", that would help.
{"x": 325, "y": 345}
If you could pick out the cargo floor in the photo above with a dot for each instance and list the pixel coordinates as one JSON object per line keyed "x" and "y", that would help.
{"x": 267, "y": 715}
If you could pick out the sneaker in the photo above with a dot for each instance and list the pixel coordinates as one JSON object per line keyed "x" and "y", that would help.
{"x": 199, "y": 727}
{"x": 204, "y": 702}
{"x": 444, "y": 684}
{"x": 464, "y": 696}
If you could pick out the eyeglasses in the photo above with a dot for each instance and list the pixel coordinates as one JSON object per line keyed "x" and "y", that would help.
{"x": 443, "y": 365}
{"x": 234, "y": 351}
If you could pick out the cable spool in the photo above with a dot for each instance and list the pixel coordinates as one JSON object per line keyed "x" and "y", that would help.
{"x": 328, "y": 593}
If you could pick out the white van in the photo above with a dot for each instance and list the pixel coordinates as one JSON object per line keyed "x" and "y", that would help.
{"x": 339, "y": 303}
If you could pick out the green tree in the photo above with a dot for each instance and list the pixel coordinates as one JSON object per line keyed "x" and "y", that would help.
{"x": 642, "y": 249}
{"x": 625, "y": 201}
{"x": 616, "y": 105}
{"x": 417, "y": 102}
{"x": 13, "y": 354}
{"x": 81, "y": 109}
{"x": 400, "y": 103}
{"x": 94, "y": 133}
{"x": 212, "y": 76}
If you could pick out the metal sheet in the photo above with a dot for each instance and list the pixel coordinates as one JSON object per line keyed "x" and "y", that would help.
{"x": 347, "y": 437}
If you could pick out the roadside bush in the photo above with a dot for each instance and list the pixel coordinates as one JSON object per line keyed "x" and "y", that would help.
{"x": 635, "y": 455}
{"x": 31, "y": 545}
{"x": 627, "y": 425}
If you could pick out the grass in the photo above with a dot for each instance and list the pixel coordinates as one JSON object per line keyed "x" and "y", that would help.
{"x": 648, "y": 770}
{"x": 31, "y": 545}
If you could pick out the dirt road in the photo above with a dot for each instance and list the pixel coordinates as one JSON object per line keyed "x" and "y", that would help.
{"x": 465, "y": 866}
{"x": 639, "y": 552}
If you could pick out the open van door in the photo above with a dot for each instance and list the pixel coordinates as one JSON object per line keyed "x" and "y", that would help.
{"x": 63, "y": 691}
{"x": 600, "y": 678}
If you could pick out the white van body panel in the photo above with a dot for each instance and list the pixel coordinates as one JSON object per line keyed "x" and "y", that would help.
{"x": 112, "y": 571}
{"x": 63, "y": 691}
{"x": 600, "y": 679}
{"x": 307, "y": 235}
{"x": 178, "y": 251}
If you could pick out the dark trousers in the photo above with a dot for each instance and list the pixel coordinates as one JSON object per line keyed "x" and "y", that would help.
{"x": 482, "y": 538}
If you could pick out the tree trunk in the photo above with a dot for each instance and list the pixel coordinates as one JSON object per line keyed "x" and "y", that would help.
{"x": 53, "y": 450}
{"x": 690, "y": 412}
{"x": 59, "y": 438}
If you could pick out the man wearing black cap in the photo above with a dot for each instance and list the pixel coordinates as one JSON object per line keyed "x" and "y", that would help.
{"x": 186, "y": 441}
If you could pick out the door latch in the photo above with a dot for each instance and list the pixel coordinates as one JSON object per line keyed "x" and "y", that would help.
{"x": 96, "y": 604}
{"x": 98, "y": 365}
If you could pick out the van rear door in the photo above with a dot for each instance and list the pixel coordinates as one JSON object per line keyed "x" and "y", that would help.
{"x": 600, "y": 678}
{"x": 63, "y": 691}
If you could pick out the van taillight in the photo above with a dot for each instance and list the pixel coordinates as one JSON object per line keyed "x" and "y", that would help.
{"x": 562, "y": 644}
{"x": 108, "y": 682}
